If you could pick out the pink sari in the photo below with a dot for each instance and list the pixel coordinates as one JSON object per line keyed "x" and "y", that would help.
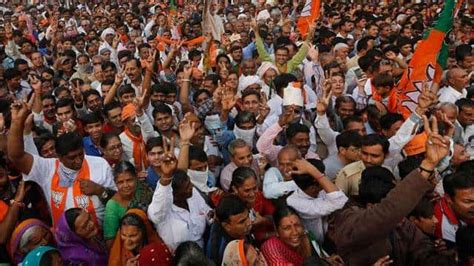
{"x": 278, "y": 253}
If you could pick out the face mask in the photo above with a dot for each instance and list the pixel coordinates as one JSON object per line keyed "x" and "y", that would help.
{"x": 69, "y": 175}
{"x": 247, "y": 135}
{"x": 199, "y": 179}
{"x": 83, "y": 68}
{"x": 214, "y": 125}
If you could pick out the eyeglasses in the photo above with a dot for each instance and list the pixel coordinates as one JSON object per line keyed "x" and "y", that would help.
{"x": 115, "y": 147}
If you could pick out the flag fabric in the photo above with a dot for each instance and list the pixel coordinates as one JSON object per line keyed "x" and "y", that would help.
{"x": 308, "y": 15}
{"x": 427, "y": 63}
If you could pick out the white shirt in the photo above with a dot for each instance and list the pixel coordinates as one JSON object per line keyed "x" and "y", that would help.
{"x": 274, "y": 186}
{"x": 42, "y": 173}
{"x": 313, "y": 210}
{"x": 449, "y": 94}
{"x": 174, "y": 224}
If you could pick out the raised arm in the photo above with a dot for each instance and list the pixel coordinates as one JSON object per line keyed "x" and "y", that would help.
{"x": 7, "y": 225}
{"x": 113, "y": 90}
{"x": 186, "y": 132}
{"x": 184, "y": 90}
{"x": 163, "y": 197}
{"x": 22, "y": 160}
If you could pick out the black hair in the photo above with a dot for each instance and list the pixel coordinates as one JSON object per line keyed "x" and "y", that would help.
{"x": 105, "y": 139}
{"x": 282, "y": 212}
{"x": 124, "y": 53}
{"x": 193, "y": 53}
{"x": 464, "y": 103}
{"x": 375, "y": 139}
{"x": 244, "y": 117}
{"x": 351, "y": 119}
{"x": 67, "y": 142}
{"x": 363, "y": 43}
{"x": 135, "y": 220}
{"x": 47, "y": 258}
{"x": 347, "y": 139}
{"x": 281, "y": 81}
{"x": 197, "y": 154}
{"x": 305, "y": 181}
{"x": 42, "y": 139}
{"x": 467, "y": 166}
{"x": 464, "y": 240}
{"x": 228, "y": 206}
{"x": 375, "y": 183}
{"x": 424, "y": 208}
{"x": 124, "y": 167}
{"x": 71, "y": 216}
{"x": 456, "y": 181}
{"x": 88, "y": 93}
{"x": 65, "y": 102}
{"x": 153, "y": 142}
{"x": 344, "y": 99}
{"x": 92, "y": 118}
{"x": 387, "y": 120}
{"x": 111, "y": 106}
{"x": 125, "y": 89}
{"x": 11, "y": 73}
{"x": 249, "y": 91}
{"x": 199, "y": 92}
{"x": 364, "y": 62}
{"x": 295, "y": 128}
{"x": 462, "y": 51}
{"x": 189, "y": 253}
{"x": 161, "y": 108}
{"x": 409, "y": 164}
{"x": 179, "y": 177}
{"x": 240, "y": 175}
{"x": 164, "y": 87}
{"x": 108, "y": 64}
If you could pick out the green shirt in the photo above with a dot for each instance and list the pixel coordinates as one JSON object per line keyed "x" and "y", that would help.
{"x": 290, "y": 65}
{"x": 113, "y": 213}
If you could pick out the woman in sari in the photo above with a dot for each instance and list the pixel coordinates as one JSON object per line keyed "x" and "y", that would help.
{"x": 131, "y": 193}
{"x": 28, "y": 235}
{"x": 239, "y": 253}
{"x": 294, "y": 246}
{"x": 43, "y": 255}
{"x": 136, "y": 232}
{"x": 79, "y": 239}
{"x": 244, "y": 185}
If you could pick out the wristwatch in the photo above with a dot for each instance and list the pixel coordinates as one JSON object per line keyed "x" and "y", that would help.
{"x": 104, "y": 195}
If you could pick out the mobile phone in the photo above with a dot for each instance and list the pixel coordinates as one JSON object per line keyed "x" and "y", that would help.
{"x": 359, "y": 73}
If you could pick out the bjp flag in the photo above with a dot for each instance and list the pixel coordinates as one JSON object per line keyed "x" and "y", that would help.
{"x": 427, "y": 63}
{"x": 308, "y": 15}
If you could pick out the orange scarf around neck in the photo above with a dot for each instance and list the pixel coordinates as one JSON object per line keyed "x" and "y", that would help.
{"x": 139, "y": 153}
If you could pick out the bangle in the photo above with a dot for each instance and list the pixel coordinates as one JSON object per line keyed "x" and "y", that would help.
{"x": 19, "y": 204}
{"x": 426, "y": 170}
{"x": 321, "y": 176}
{"x": 185, "y": 144}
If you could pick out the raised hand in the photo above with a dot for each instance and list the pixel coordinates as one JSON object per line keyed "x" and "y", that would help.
{"x": 35, "y": 84}
{"x": 169, "y": 163}
{"x": 390, "y": 55}
{"x": 150, "y": 62}
{"x": 302, "y": 166}
{"x": 186, "y": 130}
{"x": 426, "y": 99}
{"x": 384, "y": 261}
{"x": 288, "y": 116}
{"x": 263, "y": 109}
{"x": 323, "y": 102}
{"x": 19, "y": 111}
{"x": 187, "y": 71}
{"x": 228, "y": 101}
{"x": 119, "y": 77}
{"x": 21, "y": 191}
{"x": 437, "y": 146}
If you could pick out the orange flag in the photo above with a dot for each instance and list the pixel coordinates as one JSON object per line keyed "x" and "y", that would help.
{"x": 308, "y": 15}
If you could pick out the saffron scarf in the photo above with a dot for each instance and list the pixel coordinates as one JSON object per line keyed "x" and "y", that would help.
{"x": 139, "y": 153}
{"x": 119, "y": 255}
{"x": 59, "y": 193}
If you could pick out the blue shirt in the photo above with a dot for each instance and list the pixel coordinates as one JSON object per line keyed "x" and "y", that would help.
{"x": 152, "y": 178}
{"x": 90, "y": 147}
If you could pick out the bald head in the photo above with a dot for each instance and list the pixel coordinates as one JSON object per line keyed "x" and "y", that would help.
{"x": 457, "y": 78}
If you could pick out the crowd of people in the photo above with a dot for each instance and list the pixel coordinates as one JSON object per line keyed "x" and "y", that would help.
{"x": 226, "y": 133}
